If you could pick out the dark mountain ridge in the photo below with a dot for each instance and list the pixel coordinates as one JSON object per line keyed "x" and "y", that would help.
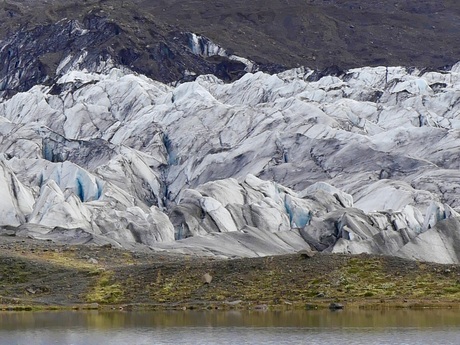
{"x": 150, "y": 36}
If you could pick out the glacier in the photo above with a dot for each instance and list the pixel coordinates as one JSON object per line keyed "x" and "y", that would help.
{"x": 366, "y": 162}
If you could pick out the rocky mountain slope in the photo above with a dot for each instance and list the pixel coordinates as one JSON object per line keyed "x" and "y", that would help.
{"x": 151, "y": 37}
{"x": 94, "y": 151}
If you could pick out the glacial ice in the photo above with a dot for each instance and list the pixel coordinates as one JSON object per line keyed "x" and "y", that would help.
{"x": 16, "y": 201}
{"x": 203, "y": 46}
{"x": 268, "y": 164}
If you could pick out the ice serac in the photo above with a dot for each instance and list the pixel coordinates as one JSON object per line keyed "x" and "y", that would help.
{"x": 53, "y": 207}
{"x": 440, "y": 243}
{"x": 16, "y": 200}
{"x": 363, "y": 162}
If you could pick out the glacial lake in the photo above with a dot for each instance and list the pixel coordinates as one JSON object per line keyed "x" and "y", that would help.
{"x": 231, "y": 327}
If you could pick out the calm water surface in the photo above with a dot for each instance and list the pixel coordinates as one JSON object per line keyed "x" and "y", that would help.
{"x": 261, "y": 327}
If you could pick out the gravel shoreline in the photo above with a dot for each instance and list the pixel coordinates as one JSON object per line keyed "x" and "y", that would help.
{"x": 43, "y": 275}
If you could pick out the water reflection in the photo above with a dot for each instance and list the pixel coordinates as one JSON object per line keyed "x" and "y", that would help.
{"x": 232, "y": 327}
{"x": 315, "y": 319}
